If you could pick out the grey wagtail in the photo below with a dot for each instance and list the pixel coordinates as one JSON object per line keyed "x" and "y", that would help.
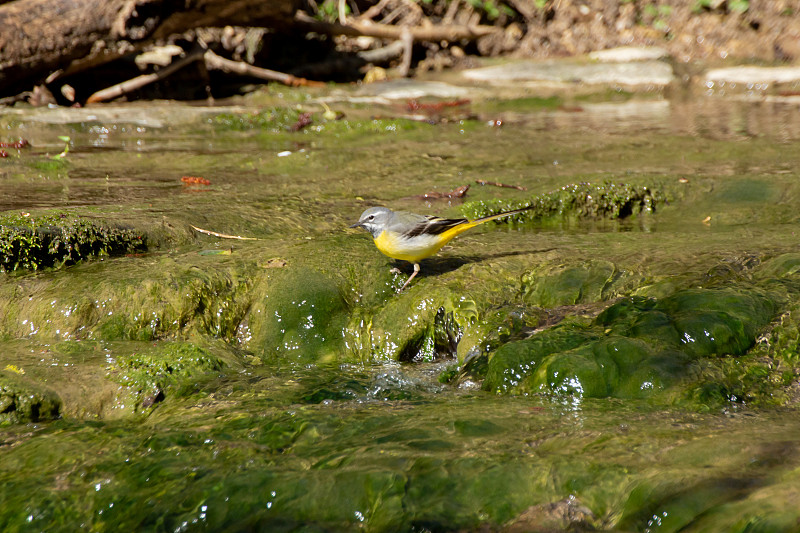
{"x": 411, "y": 237}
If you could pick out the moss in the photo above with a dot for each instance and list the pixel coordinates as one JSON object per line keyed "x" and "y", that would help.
{"x": 578, "y": 282}
{"x": 532, "y": 103}
{"x": 298, "y": 314}
{"x": 276, "y": 119}
{"x": 56, "y": 239}
{"x": 280, "y": 120}
{"x": 23, "y": 400}
{"x": 162, "y": 370}
{"x": 638, "y": 347}
{"x": 582, "y": 200}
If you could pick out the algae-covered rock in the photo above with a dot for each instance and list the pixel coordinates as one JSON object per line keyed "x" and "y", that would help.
{"x": 785, "y": 265}
{"x": 298, "y": 314}
{"x": 132, "y": 298}
{"x": 432, "y": 323}
{"x": 210, "y": 298}
{"x": 635, "y": 347}
{"x": 701, "y": 322}
{"x": 152, "y": 373}
{"x": 24, "y": 400}
{"x": 582, "y": 200}
{"x": 36, "y": 242}
{"x": 585, "y": 282}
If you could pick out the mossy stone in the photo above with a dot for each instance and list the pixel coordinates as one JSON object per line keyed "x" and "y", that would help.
{"x": 568, "y": 284}
{"x": 636, "y": 347}
{"x": 23, "y": 400}
{"x": 302, "y": 316}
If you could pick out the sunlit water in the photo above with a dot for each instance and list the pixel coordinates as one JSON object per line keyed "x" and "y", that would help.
{"x": 302, "y": 441}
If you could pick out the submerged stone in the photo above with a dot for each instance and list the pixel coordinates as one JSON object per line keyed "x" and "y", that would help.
{"x": 152, "y": 373}
{"x": 782, "y": 266}
{"x": 590, "y": 281}
{"x": 299, "y": 314}
{"x": 634, "y": 348}
{"x": 648, "y": 72}
{"x": 24, "y": 400}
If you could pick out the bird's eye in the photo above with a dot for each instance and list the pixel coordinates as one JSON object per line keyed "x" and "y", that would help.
{"x": 371, "y": 217}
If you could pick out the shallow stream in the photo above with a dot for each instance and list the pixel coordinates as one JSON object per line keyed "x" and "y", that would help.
{"x": 585, "y": 368}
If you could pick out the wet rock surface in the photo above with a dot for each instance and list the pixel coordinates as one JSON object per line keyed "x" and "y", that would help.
{"x": 568, "y": 368}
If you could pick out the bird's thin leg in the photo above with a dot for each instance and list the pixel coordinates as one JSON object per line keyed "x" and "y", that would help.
{"x": 416, "y": 271}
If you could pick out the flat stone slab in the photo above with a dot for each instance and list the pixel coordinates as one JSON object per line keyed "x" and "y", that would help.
{"x": 408, "y": 89}
{"x": 747, "y": 74}
{"x": 650, "y": 72}
{"x": 625, "y": 54}
{"x": 151, "y": 115}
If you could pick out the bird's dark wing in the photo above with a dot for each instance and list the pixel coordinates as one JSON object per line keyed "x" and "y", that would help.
{"x": 433, "y": 226}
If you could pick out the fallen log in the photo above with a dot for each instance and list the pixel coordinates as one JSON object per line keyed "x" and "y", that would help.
{"x": 42, "y": 37}
{"x": 212, "y": 61}
{"x": 385, "y": 31}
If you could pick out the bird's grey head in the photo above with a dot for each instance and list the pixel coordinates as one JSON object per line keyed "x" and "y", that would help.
{"x": 374, "y": 220}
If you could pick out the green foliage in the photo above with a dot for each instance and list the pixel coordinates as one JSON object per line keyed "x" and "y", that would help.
{"x": 329, "y": 11}
{"x": 734, "y": 6}
{"x": 28, "y": 242}
{"x": 659, "y": 15}
{"x": 64, "y": 152}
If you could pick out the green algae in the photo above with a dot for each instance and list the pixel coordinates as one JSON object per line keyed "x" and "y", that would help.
{"x": 578, "y": 282}
{"x": 56, "y": 239}
{"x": 276, "y": 120}
{"x": 299, "y": 314}
{"x": 582, "y": 200}
{"x": 25, "y": 400}
{"x": 153, "y": 374}
{"x": 635, "y": 348}
{"x": 533, "y": 103}
{"x": 268, "y": 429}
{"x": 280, "y": 120}
{"x": 167, "y": 299}
{"x": 250, "y": 464}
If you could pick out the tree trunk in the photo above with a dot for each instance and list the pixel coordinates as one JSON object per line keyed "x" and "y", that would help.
{"x": 40, "y": 37}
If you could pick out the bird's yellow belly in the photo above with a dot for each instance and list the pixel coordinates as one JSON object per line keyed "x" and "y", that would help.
{"x": 411, "y": 249}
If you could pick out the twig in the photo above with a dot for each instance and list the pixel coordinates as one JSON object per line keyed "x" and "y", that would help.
{"x": 384, "y": 54}
{"x": 458, "y": 192}
{"x": 374, "y": 11}
{"x": 342, "y": 14}
{"x": 408, "y": 46}
{"x": 120, "y": 89}
{"x": 395, "y": 13}
{"x": 212, "y": 61}
{"x": 498, "y": 184}
{"x": 418, "y": 33}
{"x": 222, "y": 235}
{"x": 246, "y": 69}
{"x": 450, "y": 15}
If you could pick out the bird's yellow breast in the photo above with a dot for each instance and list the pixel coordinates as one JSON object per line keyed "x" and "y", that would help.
{"x": 411, "y": 249}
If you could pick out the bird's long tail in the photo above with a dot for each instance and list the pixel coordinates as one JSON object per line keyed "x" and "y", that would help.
{"x": 461, "y": 228}
{"x": 499, "y": 215}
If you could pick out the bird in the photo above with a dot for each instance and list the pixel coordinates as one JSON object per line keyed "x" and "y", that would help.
{"x": 412, "y": 237}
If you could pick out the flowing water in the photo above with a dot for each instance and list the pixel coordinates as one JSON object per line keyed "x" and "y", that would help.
{"x": 279, "y": 384}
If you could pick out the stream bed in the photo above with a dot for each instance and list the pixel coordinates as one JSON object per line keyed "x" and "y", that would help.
{"x": 623, "y": 357}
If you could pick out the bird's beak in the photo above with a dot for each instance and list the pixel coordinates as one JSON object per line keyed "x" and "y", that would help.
{"x": 357, "y": 225}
